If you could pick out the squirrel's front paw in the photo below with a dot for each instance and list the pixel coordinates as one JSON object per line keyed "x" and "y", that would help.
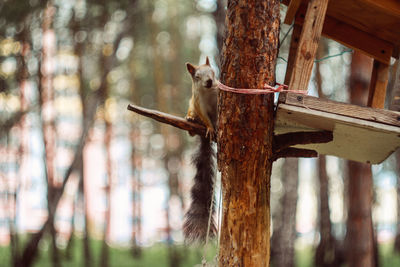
{"x": 210, "y": 133}
{"x": 191, "y": 119}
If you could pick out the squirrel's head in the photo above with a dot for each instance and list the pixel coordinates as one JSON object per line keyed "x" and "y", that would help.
{"x": 203, "y": 75}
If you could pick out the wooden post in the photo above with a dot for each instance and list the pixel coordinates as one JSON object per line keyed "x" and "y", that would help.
{"x": 291, "y": 11}
{"x": 379, "y": 81}
{"x": 245, "y": 131}
{"x": 294, "y": 44}
{"x": 308, "y": 44}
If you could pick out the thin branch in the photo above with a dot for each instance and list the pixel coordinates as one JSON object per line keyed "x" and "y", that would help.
{"x": 292, "y": 152}
{"x": 287, "y": 140}
{"x": 181, "y": 123}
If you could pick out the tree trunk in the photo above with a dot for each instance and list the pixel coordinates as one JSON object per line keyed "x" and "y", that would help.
{"x": 360, "y": 235}
{"x": 397, "y": 238}
{"x": 48, "y": 119}
{"x": 79, "y": 51}
{"x": 327, "y": 253}
{"x": 219, "y": 17}
{"x": 245, "y": 131}
{"x": 104, "y": 257}
{"x": 282, "y": 249}
{"x": 394, "y": 85}
{"x": 135, "y": 169}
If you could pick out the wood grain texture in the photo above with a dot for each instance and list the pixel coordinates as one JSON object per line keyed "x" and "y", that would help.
{"x": 352, "y": 37}
{"x": 291, "y": 11}
{"x": 283, "y": 141}
{"x": 380, "y": 19}
{"x": 354, "y": 139}
{"x": 308, "y": 44}
{"x": 172, "y": 120}
{"x": 390, "y": 7}
{"x": 387, "y": 117}
{"x": 357, "y": 39}
{"x": 378, "y": 84}
{"x": 294, "y": 44}
{"x": 245, "y": 131}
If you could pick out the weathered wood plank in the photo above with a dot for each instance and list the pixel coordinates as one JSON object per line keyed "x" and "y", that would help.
{"x": 294, "y": 44}
{"x": 308, "y": 44}
{"x": 390, "y": 7}
{"x": 365, "y": 113}
{"x": 291, "y": 11}
{"x": 378, "y": 84}
{"x": 353, "y": 138}
{"x": 357, "y": 39}
{"x": 379, "y": 19}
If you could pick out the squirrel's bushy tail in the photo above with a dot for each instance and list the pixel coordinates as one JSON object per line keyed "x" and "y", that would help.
{"x": 196, "y": 218}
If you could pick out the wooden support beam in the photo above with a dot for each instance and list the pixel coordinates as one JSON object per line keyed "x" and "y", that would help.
{"x": 308, "y": 44}
{"x": 377, "y": 87}
{"x": 284, "y": 141}
{"x": 292, "y": 152}
{"x": 294, "y": 44}
{"x": 291, "y": 11}
{"x": 357, "y": 39}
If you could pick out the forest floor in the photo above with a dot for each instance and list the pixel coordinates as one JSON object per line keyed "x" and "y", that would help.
{"x": 160, "y": 256}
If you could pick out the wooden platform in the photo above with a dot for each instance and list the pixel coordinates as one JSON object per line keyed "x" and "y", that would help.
{"x": 360, "y": 133}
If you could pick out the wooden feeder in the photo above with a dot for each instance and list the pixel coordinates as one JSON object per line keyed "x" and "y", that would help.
{"x": 365, "y": 134}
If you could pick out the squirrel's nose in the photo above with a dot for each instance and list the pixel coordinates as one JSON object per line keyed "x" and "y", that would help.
{"x": 209, "y": 83}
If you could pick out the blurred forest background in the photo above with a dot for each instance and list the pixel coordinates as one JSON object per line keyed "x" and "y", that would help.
{"x": 84, "y": 182}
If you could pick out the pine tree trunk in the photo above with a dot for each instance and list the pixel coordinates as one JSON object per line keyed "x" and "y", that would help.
{"x": 79, "y": 51}
{"x": 104, "y": 257}
{"x": 282, "y": 248}
{"x": 360, "y": 244}
{"x": 327, "y": 253}
{"x": 397, "y": 238}
{"x": 394, "y": 87}
{"x": 48, "y": 120}
{"x": 245, "y": 131}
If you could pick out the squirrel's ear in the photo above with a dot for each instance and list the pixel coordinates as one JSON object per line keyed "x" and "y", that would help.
{"x": 207, "y": 61}
{"x": 191, "y": 69}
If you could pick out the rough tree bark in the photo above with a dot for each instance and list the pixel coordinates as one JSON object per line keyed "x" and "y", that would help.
{"x": 360, "y": 235}
{"x": 245, "y": 131}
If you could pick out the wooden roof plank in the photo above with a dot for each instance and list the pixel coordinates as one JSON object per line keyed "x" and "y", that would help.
{"x": 357, "y": 39}
{"x": 378, "y": 18}
{"x": 391, "y": 7}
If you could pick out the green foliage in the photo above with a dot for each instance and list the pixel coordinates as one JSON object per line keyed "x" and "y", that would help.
{"x": 154, "y": 256}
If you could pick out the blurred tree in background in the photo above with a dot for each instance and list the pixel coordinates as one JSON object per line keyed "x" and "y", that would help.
{"x": 83, "y": 182}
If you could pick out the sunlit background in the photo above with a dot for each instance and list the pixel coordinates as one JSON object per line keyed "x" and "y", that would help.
{"x": 60, "y": 59}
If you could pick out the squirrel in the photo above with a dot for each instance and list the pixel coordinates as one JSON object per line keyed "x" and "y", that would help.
{"x": 203, "y": 109}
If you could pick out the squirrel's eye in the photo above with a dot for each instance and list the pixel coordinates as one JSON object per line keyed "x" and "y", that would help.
{"x": 197, "y": 77}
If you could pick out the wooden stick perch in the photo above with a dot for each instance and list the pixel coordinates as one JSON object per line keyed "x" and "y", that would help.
{"x": 282, "y": 142}
{"x": 191, "y": 127}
